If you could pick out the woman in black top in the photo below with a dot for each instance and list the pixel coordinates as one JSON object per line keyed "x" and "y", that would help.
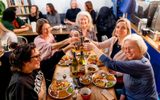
{"x": 35, "y": 14}
{"x": 72, "y": 13}
{"x": 5, "y": 73}
{"x": 30, "y": 73}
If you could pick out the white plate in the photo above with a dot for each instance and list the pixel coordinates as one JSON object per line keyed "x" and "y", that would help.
{"x": 103, "y": 79}
{"x": 56, "y": 27}
{"x": 92, "y": 68}
{"x": 58, "y": 94}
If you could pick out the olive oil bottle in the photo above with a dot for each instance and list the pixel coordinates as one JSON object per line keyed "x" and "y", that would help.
{"x": 82, "y": 59}
{"x": 74, "y": 66}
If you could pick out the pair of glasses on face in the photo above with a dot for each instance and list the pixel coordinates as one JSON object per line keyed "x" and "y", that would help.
{"x": 36, "y": 56}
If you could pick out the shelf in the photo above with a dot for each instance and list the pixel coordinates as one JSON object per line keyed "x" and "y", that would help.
{"x": 22, "y": 6}
{"x": 19, "y": 6}
{"x": 22, "y": 14}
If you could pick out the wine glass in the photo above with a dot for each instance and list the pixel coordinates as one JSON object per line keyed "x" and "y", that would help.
{"x": 64, "y": 76}
{"x": 65, "y": 21}
{"x": 74, "y": 97}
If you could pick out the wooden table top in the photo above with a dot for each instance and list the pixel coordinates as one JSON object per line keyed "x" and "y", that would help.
{"x": 54, "y": 32}
{"x": 60, "y": 32}
{"x": 96, "y": 91}
{"x": 27, "y": 33}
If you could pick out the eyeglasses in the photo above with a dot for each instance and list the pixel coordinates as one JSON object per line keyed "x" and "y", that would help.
{"x": 36, "y": 56}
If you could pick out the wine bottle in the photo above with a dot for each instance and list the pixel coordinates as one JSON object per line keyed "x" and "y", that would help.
{"x": 74, "y": 66}
{"x": 82, "y": 59}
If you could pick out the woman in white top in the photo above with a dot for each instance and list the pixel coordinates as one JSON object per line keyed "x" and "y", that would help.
{"x": 6, "y": 36}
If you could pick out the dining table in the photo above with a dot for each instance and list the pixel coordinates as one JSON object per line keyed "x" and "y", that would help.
{"x": 96, "y": 94}
{"x": 59, "y": 34}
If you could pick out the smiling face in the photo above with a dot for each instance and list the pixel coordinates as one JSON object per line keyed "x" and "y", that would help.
{"x": 33, "y": 9}
{"x": 131, "y": 50}
{"x": 73, "y": 4}
{"x": 34, "y": 62}
{"x": 121, "y": 30}
{"x": 45, "y": 28}
{"x": 83, "y": 21}
{"x": 35, "y": 59}
{"x": 48, "y": 8}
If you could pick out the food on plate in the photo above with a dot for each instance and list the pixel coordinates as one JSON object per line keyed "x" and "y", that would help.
{"x": 92, "y": 68}
{"x": 109, "y": 83}
{"x": 59, "y": 85}
{"x": 100, "y": 83}
{"x": 63, "y": 94}
{"x": 110, "y": 77}
{"x": 66, "y": 60}
{"x": 85, "y": 79}
{"x": 93, "y": 59}
{"x": 60, "y": 89}
{"x": 54, "y": 93}
{"x": 103, "y": 79}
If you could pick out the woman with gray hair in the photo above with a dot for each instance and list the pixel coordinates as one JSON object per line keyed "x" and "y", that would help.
{"x": 85, "y": 26}
{"x": 139, "y": 81}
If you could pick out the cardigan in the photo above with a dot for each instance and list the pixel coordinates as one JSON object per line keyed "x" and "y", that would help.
{"x": 139, "y": 81}
{"x": 109, "y": 44}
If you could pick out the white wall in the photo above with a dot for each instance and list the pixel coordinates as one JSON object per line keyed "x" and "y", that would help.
{"x": 62, "y": 5}
{"x": 5, "y": 2}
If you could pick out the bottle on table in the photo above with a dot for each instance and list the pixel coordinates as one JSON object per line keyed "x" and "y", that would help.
{"x": 82, "y": 59}
{"x": 74, "y": 66}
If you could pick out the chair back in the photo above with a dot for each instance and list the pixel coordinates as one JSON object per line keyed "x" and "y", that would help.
{"x": 22, "y": 40}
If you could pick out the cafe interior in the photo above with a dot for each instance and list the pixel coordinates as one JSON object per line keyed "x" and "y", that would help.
{"x": 79, "y": 49}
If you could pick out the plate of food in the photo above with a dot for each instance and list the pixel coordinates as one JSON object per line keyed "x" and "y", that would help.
{"x": 65, "y": 61}
{"x": 60, "y": 89}
{"x": 103, "y": 79}
{"x": 59, "y": 26}
{"x": 56, "y": 27}
{"x": 85, "y": 79}
{"x": 93, "y": 59}
{"x": 92, "y": 68}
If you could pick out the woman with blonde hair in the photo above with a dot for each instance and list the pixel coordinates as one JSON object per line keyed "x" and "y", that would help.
{"x": 7, "y": 37}
{"x": 122, "y": 29}
{"x": 113, "y": 45}
{"x": 85, "y": 26}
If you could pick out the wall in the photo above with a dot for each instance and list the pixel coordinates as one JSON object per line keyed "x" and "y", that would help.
{"x": 62, "y": 5}
{"x": 5, "y": 2}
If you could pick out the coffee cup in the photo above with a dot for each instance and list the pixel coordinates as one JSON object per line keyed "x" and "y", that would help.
{"x": 85, "y": 93}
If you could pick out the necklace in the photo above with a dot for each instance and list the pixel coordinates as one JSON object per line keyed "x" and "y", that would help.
{"x": 118, "y": 46}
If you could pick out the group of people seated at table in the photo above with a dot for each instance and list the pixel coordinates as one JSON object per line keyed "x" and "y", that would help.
{"x": 14, "y": 23}
{"x": 32, "y": 65}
